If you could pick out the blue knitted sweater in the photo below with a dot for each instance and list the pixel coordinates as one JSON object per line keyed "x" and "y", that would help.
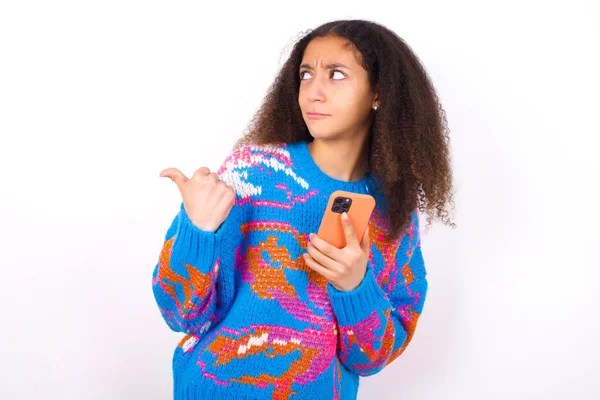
{"x": 258, "y": 322}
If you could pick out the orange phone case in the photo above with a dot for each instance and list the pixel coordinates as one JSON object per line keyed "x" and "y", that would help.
{"x": 359, "y": 210}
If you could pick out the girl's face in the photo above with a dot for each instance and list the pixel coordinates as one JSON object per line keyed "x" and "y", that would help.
{"x": 334, "y": 84}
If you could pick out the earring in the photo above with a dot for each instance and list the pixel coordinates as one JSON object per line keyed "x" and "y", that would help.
{"x": 375, "y": 108}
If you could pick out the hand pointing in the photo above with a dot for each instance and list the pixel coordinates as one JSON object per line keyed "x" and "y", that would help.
{"x": 207, "y": 200}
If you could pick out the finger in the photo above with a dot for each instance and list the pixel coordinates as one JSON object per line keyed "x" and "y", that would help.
{"x": 351, "y": 239}
{"x": 200, "y": 172}
{"x": 318, "y": 268}
{"x": 324, "y": 247}
{"x": 176, "y": 175}
{"x": 321, "y": 258}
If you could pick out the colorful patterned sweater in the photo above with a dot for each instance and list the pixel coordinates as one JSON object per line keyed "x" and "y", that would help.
{"x": 258, "y": 322}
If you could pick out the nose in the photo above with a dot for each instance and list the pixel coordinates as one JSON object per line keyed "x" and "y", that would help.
{"x": 315, "y": 89}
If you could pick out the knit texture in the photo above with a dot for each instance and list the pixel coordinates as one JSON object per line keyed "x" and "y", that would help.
{"x": 258, "y": 322}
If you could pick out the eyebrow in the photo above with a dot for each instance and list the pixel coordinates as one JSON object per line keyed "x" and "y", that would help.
{"x": 328, "y": 66}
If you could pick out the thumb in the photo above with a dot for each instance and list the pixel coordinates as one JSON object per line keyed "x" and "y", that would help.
{"x": 349, "y": 233}
{"x": 365, "y": 242}
{"x": 176, "y": 176}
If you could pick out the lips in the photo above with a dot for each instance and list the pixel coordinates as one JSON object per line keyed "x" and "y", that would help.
{"x": 316, "y": 114}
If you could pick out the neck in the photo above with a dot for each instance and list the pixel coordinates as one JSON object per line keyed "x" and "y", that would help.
{"x": 346, "y": 160}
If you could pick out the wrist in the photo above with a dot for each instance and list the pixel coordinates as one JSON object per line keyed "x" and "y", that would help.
{"x": 350, "y": 287}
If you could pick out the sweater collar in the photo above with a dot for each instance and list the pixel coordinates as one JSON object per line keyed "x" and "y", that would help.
{"x": 302, "y": 159}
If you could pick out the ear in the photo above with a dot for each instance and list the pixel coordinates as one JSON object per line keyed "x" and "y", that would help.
{"x": 376, "y": 99}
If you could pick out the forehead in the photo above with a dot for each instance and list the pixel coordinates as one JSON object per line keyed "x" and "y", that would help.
{"x": 330, "y": 49}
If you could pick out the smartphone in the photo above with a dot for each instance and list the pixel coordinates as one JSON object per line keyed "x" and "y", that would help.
{"x": 359, "y": 208}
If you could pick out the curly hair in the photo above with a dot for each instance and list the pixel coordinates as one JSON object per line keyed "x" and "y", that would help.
{"x": 408, "y": 139}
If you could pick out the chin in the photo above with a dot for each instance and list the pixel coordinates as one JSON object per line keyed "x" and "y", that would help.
{"x": 320, "y": 135}
{"x": 323, "y": 134}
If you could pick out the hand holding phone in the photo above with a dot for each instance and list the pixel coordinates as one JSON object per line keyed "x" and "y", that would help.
{"x": 358, "y": 207}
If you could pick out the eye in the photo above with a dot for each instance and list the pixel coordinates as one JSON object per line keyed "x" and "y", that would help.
{"x": 340, "y": 72}
{"x": 343, "y": 76}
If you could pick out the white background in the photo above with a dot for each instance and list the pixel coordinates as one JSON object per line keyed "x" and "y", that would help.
{"x": 96, "y": 98}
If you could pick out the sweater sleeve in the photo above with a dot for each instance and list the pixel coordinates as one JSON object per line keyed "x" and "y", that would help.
{"x": 193, "y": 281}
{"x": 377, "y": 320}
